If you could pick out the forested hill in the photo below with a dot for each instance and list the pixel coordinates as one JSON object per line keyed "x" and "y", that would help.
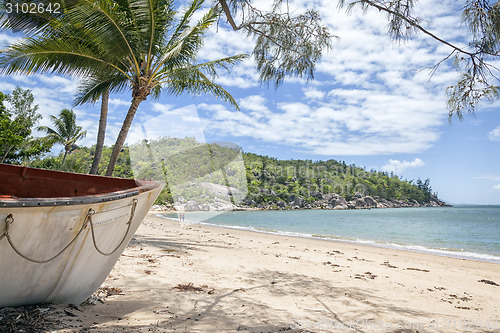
{"x": 331, "y": 184}
{"x": 195, "y": 178}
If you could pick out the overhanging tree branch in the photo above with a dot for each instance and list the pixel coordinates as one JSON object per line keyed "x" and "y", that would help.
{"x": 482, "y": 19}
{"x": 286, "y": 45}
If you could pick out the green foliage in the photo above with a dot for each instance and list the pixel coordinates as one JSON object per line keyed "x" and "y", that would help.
{"x": 80, "y": 159}
{"x": 192, "y": 169}
{"x": 286, "y": 44}
{"x": 65, "y": 131}
{"x": 16, "y": 123}
{"x": 271, "y": 180}
{"x": 145, "y": 47}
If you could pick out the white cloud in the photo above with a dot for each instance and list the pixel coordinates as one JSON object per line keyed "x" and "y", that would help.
{"x": 345, "y": 122}
{"x": 181, "y": 122}
{"x": 116, "y": 102}
{"x": 6, "y": 87}
{"x": 223, "y": 42}
{"x": 243, "y": 75}
{"x": 50, "y": 102}
{"x": 488, "y": 177}
{"x": 312, "y": 93}
{"x": 6, "y": 39}
{"x": 398, "y": 166}
{"x": 372, "y": 97}
{"x": 51, "y": 93}
{"x": 60, "y": 84}
{"x": 496, "y": 187}
{"x": 494, "y": 135}
{"x": 23, "y": 79}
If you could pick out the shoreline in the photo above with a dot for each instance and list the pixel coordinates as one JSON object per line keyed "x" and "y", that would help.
{"x": 315, "y": 206}
{"x": 415, "y": 248}
{"x": 329, "y": 241}
{"x": 199, "y": 278}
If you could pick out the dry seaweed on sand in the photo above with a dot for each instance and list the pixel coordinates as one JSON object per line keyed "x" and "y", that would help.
{"x": 489, "y": 282}
{"x": 32, "y": 318}
{"x": 418, "y": 269}
{"x": 192, "y": 288}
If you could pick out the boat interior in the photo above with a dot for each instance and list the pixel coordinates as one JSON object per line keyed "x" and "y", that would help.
{"x": 23, "y": 182}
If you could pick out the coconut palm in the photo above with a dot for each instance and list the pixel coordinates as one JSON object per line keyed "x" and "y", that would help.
{"x": 48, "y": 22}
{"x": 124, "y": 44}
{"x": 65, "y": 131}
{"x": 101, "y": 133}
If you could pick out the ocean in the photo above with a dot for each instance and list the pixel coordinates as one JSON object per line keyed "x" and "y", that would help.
{"x": 462, "y": 231}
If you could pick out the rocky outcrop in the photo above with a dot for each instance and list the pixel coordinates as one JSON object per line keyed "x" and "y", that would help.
{"x": 336, "y": 201}
{"x": 326, "y": 201}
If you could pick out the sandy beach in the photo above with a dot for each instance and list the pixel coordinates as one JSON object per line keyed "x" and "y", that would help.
{"x": 178, "y": 277}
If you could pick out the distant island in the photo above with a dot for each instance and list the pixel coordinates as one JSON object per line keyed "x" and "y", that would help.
{"x": 329, "y": 185}
{"x": 199, "y": 176}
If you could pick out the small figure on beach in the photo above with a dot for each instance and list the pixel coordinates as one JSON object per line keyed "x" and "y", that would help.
{"x": 181, "y": 217}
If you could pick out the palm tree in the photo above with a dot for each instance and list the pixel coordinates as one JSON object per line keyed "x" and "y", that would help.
{"x": 47, "y": 23}
{"x": 101, "y": 133}
{"x": 65, "y": 131}
{"x": 125, "y": 44}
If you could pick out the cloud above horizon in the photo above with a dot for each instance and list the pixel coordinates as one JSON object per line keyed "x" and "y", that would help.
{"x": 398, "y": 166}
{"x": 342, "y": 123}
{"x": 494, "y": 135}
{"x": 369, "y": 96}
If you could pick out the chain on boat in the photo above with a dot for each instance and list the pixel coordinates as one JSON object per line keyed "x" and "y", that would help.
{"x": 88, "y": 220}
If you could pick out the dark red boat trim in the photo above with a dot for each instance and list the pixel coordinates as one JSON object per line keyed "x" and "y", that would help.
{"x": 29, "y": 187}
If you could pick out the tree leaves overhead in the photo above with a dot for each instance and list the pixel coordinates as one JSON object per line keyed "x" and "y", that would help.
{"x": 112, "y": 44}
{"x": 27, "y": 22}
{"x": 286, "y": 44}
{"x": 479, "y": 78}
{"x": 289, "y": 46}
{"x": 123, "y": 34}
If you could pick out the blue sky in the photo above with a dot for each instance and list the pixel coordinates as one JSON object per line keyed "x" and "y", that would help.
{"x": 373, "y": 103}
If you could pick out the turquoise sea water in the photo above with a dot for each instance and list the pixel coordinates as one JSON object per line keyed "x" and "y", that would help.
{"x": 464, "y": 231}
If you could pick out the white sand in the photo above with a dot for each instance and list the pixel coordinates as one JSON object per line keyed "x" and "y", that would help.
{"x": 267, "y": 283}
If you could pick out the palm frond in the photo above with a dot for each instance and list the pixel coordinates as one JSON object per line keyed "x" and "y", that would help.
{"x": 91, "y": 88}
{"x": 61, "y": 56}
{"x": 184, "y": 46}
{"x": 191, "y": 79}
{"x": 49, "y": 131}
{"x": 184, "y": 21}
{"x": 211, "y": 67}
{"x": 111, "y": 26}
{"x": 28, "y": 22}
{"x": 65, "y": 130}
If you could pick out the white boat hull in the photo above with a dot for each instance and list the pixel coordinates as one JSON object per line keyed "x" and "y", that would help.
{"x": 39, "y": 233}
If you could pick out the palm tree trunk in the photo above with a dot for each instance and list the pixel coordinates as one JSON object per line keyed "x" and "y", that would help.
{"x": 6, "y": 153}
{"x": 100, "y": 134}
{"x": 120, "y": 140}
{"x": 64, "y": 158}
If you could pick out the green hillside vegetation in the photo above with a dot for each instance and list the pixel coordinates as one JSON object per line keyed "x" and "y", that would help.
{"x": 189, "y": 165}
{"x": 270, "y": 179}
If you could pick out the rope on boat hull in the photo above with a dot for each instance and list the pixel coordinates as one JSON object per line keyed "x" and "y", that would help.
{"x": 88, "y": 220}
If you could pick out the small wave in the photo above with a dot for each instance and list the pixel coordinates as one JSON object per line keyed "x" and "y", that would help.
{"x": 453, "y": 253}
{"x": 445, "y": 252}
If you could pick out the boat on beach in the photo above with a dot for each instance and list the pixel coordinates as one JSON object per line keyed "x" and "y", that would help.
{"x": 61, "y": 233}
